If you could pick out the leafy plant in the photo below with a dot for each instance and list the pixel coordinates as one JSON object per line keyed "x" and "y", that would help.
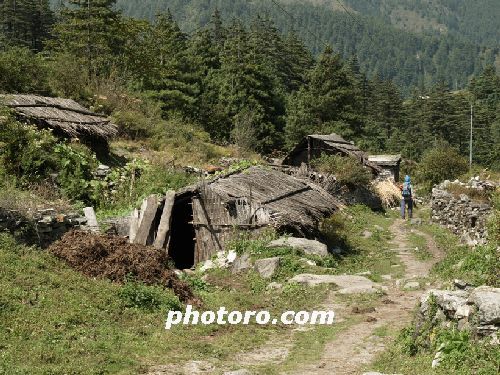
{"x": 148, "y": 297}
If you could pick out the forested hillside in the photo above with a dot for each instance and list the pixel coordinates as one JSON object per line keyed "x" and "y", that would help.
{"x": 245, "y": 83}
{"x": 406, "y": 42}
{"x": 475, "y": 21}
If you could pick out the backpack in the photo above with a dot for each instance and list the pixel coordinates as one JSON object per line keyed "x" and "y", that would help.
{"x": 406, "y": 190}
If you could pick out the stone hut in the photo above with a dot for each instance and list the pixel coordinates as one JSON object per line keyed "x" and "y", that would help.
{"x": 313, "y": 146}
{"x": 389, "y": 163}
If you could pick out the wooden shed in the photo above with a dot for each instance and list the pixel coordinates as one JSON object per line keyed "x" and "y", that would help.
{"x": 65, "y": 117}
{"x": 389, "y": 163}
{"x": 204, "y": 217}
{"x": 313, "y": 146}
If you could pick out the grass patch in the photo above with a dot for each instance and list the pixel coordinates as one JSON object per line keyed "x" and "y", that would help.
{"x": 477, "y": 266}
{"x": 55, "y": 320}
{"x": 361, "y": 253}
{"x": 462, "y": 355}
{"x": 419, "y": 246}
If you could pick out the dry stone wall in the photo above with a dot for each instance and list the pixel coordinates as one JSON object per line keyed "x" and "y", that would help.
{"x": 43, "y": 227}
{"x": 464, "y": 216}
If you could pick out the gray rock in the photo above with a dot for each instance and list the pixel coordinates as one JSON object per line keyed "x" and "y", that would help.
{"x": 348, "y": 284}
{"x": 274, "y": 286}
{"x": 411, "y": 285}
{"x": 416, "y": 221}
{"x": 267, "y": 267}
{"x": 310, "y": 247}
{"x": 367, "y": 234}
{"x": 487, "y": 300}
{"x": 447, "y": 300}
{"x": 238, "y": 372}
{"x": 241, "y": 263}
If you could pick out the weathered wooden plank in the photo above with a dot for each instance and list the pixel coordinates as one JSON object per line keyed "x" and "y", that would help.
{"x": 91, "y": 219}
{"x": 134, "y": 225}
{"x": 163, "y": 233}
{"x": 147, "y": 218}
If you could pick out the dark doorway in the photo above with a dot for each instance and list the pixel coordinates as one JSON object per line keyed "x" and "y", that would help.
{"x": 181, "y": 247}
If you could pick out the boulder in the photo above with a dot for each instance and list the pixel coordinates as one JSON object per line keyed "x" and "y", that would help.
{"x": 449, "y": 301}
{"x": 267, "y": 267}
{"x": 310, "y": 247}
{"x": 238, "y": 372}
{"x": 487, "y": 300}
{"x": 348, "y": 284}
{"x": 241, "y": 263}
{"x": 411, "y": 285}
{"x": 274, "y": 286}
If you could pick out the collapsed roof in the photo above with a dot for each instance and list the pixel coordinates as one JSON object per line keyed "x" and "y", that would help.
{"x": 312, "y": 146}
{"x": 65, "y": 116}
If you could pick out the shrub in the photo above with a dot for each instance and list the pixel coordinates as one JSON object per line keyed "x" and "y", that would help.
{"x": 22, "y": 71}
{"x": 34, "y": 156}
{"x": 439, "y": 164}
{"x": 348, "y": 170}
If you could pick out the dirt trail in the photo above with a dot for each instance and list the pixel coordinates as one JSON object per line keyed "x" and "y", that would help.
{"x": 353, "y": 349}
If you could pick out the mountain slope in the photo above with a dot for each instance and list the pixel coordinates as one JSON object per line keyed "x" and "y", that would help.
{"x": 414, "y": 43}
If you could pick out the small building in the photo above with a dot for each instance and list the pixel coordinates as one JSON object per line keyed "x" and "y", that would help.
{"x": 313, "y": 146}
{"x": 204, "y": 217}
{"x": 65, "y": 117}
{"x": 389, "y": 163}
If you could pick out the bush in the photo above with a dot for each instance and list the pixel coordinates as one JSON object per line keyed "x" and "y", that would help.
{"x": 439, "y": 164}
{"x": 22, "y": 71}
{"x": 36, "y": 156}
{"x": 347, "y": 169}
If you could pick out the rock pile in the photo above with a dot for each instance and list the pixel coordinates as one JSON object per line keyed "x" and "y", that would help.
{"x": 475, "y": 309}
{"x": 463, "y": 215}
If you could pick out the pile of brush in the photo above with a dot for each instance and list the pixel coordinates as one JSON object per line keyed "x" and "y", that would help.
{"x": 388, "y": 192}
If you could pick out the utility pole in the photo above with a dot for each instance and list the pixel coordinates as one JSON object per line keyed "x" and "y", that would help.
{"x": 470, "y": 142}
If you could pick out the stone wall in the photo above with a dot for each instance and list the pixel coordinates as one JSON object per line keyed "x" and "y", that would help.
{"x": 464, "y": 216}
{"x": 43, "y": 227}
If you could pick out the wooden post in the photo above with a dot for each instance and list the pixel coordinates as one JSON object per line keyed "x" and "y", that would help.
{"x": 91, "y": 219}
{"x": 308, "y": 152}
{"x": 134, "y": 225}
{"x": 163, "y": 235}
{"x": 147, "y": 218}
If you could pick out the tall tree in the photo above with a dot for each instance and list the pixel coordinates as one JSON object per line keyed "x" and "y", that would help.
{"x": 90, "y": 30}
{"x": 26, "y": 23}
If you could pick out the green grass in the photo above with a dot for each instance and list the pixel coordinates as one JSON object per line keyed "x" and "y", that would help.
{"x": 419, "y": 246}
{"x": 345, "y": 230}
{"x": 55, "y": 320}
{"x": 463, "y": 355}
{"x": 478, "y": 266}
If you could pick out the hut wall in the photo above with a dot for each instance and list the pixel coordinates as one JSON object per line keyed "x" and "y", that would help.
{"x": 312, "y": 151}
{"x": 216, "y": 222}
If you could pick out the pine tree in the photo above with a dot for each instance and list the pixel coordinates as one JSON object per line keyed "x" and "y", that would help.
{"x": 327, "y": 103}
{"x": 25, "y": 23}
{"x": 164, "y": 70}
{"x": 90, "y": 30}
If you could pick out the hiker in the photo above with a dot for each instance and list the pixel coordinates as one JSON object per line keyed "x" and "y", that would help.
{"x": 407, "y": 198}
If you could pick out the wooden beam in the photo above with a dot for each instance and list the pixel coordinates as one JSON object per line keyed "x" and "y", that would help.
{"x": 163, "y": 235}
{"x": 147, "y": 218}
{"x": 134, "y": 225}
{"x": 91, "y": 219}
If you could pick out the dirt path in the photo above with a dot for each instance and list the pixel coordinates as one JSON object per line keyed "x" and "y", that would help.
{"x": 353, "y": 349}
